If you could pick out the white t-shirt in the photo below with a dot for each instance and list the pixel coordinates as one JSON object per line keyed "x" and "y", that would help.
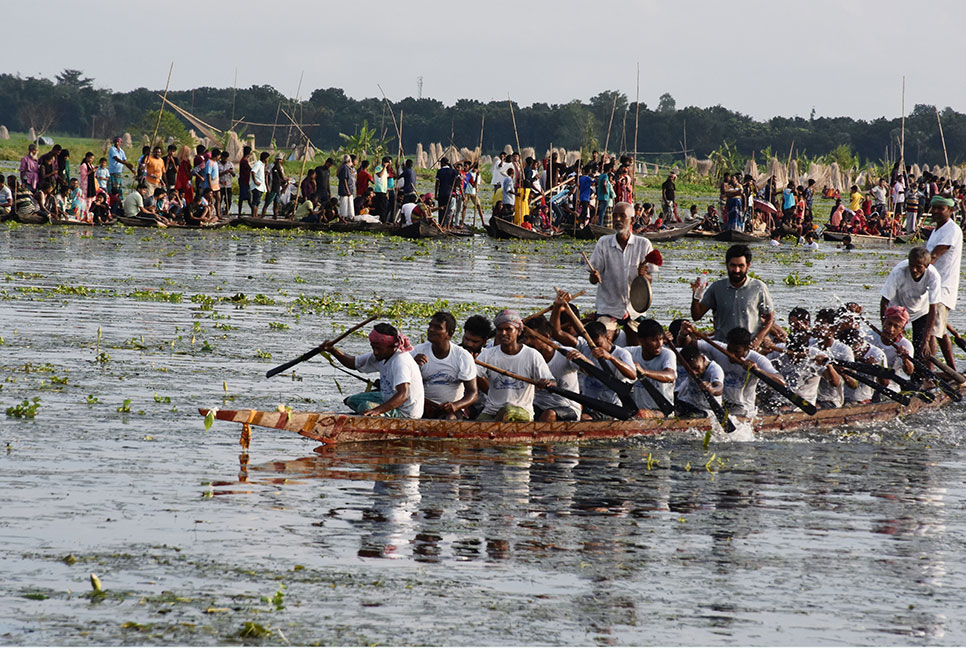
{"x": 510, "y": 391}
{"x": 6, "y": 197}
{"x": 593, "y": 387}
{"x": 863, "y": 392}
{"x": 443, "y": 377}
{"x": 258, "y": 176}
{"x": 948, "y": 265}
{"x": 739, "y": 384}
{"x": 691, "y": 394}
{"x": 826, "y": 392}
{"x": 802, "y": 375}
{"x": 407, "y": 211}
{"x": 893, "y": 361}
{"x": 565, "y": 373}
{"x": 497, "y": 171}
{"x": 664, "y": 360}
{"x": 917, "y": 296}
{"x": 398, "y": 369}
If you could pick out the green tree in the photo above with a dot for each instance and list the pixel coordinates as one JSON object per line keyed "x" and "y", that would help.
{"x": 170, "y": 126}
{"x": 666, "y": 103}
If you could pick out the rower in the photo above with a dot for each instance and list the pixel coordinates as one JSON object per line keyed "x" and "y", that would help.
{"x": 608, "y": 356}
{"x": 737, "y": 302}
{"x": 802, "y": 367}
{"x": 448, "y": 370}
{"x": 831, "y": 388}
{"x": 616, "y": 261}
{"x": 866, "y": 353}
{"x": 945, "y": 247}
{"x": 477, "y": 331}
{"x": 917, "y": 287}
{"x": 894, "y": 322}
{"x": 690, "y": 402}
{"x": 400, "y": 383}
{"x": 654, "y": 363}
{"x": 548, "y": 406}
{"x": 509, "y": 399}
{"x": 740, "y": 384}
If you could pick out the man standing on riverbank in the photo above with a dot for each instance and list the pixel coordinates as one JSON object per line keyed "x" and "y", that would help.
{"x": 945, "y": 246}
{"x": 617, "y": 260}
{"x": 347, "y": 188}
{"x": 30, "y": 168}
{"x": 737, "y": 301}
{"x": 116, "y": 161}
{"x": 668, "y": 207}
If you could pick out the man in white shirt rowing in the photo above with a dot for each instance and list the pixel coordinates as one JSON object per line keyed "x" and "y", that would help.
{"x": 448, "y": 370}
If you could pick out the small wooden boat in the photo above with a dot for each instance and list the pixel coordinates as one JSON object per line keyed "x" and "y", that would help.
{"x": 35, "y": 218}
{"x": 735, "y": 236}
{"x": 672, "y": 234}
{"x": 504, "y": 229}
{"x": 268, "y": 223}
{"x": 137, "y": 221}
{"x": 863, "y": 240}
{"x": 329, "y": 427}
{"x": 71, "y": 222}
{"x": 421, "y": 229}
{"x": 216, "y": 225}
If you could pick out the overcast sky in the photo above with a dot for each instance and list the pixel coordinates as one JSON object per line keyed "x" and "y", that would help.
{"x": 840, "y": 57}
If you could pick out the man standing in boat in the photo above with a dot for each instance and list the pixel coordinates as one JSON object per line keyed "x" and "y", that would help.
{"x": 945, "y": 247}
{"x": 617, "y": 260}
{"x": 916, "y": 286}
{"x": 400, "y": 383}
{"x": 738, "y": 301}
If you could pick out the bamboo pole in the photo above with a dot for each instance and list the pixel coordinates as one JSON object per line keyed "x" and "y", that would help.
{"x": 234, "y": 91}
{"x": 164, "y": 99}
{"x": 298, "y": 93}
{"x": 943, "y": 138}
{"x": 479, "y": 152}
{"x": 271, "y": 140}
{"x": 514, "y": 119}
{"x": 902, "y": 131}
{"x": 609, "y": 124}
{"x": 637, "y": 113}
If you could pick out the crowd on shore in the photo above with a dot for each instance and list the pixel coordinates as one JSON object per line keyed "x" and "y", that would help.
{"x": 617, "y": 360}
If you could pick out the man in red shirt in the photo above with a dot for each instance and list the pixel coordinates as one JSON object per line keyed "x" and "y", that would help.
{"x": 363, "y": 178}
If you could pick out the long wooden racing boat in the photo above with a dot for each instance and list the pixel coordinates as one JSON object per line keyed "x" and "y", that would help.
{"x": 329, "y": 427}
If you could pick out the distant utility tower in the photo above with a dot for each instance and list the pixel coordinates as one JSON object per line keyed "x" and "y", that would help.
{"x": 419, "y": 86}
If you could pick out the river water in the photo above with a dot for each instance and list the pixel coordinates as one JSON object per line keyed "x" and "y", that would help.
{"x": 824, "y": 537}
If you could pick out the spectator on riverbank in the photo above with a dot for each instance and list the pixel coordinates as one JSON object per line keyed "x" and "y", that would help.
{"x": 30, "y": 168}
{"x": 116, "y": 161}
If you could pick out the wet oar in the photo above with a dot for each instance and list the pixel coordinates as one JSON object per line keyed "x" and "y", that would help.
{"x": 610, "y": 409}
{"x": 794, "y": 398}
{"x": 719, "y": 413}
{"x": 666, "y": 407}
{"x": 960, "y": 342}
{"x": 550, "y": 308}
{"x": 921, "y": 366}
{"x": 884, "y": 372}
{"x": 622, "y": 389}
{"x": 316, "y": 351}
{"x": 899, "y": 397}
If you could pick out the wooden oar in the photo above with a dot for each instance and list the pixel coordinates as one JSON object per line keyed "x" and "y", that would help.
{"x": 590, "y": 266}
{"x": 316, "y": 351}
{"x": 666, "y": 407}
{"x": 610, "y": 409}
{"x": 879, "y": 371}
{"x": 950, "y": 373}
{"x": 795, "y": 399}
{"x": 719, "y": 413}
{"x": 899, "y": 397}
{"x": 922, "y": 367}
{"x": 550, "y": 308}
{"x": 960, "y": 342}
{"x": 622, "y": 389}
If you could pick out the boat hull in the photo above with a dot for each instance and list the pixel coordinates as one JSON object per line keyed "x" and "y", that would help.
{"x": 329, "y": 428}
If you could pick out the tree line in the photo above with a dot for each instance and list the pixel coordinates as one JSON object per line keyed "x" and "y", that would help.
{"x": 69, "y": 104}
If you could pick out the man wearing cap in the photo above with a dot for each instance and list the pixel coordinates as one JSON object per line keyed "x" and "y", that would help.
{"x": 116, "y": 161}
{"x": 509, "y": 399}
{"x": 737, "y": 301}
{"x": 916, "y": 286}
{"x": 945, "y": 246}
{"x": 894, "y": 321}
{"x": 400, "y": 383}
{"x": 617, "y": 260}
